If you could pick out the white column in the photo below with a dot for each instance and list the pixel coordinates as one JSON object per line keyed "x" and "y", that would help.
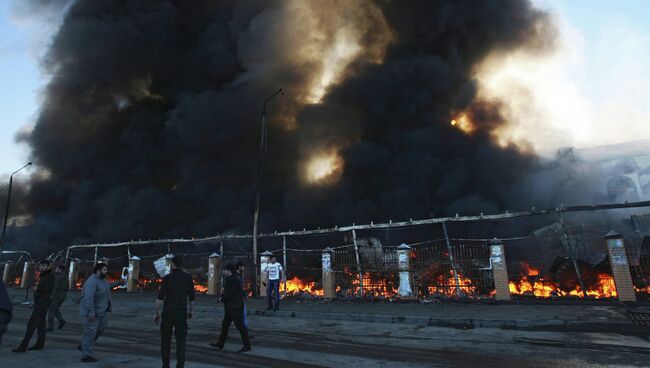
{"x": 264, "y": 260}
{"x": 404, "y": 265}
{"x": 329, "y": 284}
{"x": 6, "y": 273}
{"x": 134, "y": 274}
{"x": 214, "y": 274}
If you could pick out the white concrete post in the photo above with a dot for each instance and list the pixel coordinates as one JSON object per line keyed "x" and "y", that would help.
{"x": 6, "y": 273}
{"x": 134, "y": 274}
{"x": 499, "y": 270}
{"x": 27, "y": 275}
{"x": 168, "y": 263}
{"x": 214, "y": 274}
{"x": 404, "y": 266}
{"x": 620, "y": 267}
{"x": 329, "y": 283}
{"x": 264, "y": 260}
{"x": 73, "y": 273}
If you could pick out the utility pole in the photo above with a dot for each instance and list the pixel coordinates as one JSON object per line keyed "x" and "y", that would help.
{"x": 260, "y": 175}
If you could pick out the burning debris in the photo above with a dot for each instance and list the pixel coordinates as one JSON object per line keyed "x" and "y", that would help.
{"x": 531, "y": 283}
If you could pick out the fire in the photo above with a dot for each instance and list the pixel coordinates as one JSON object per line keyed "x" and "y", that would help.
{"x": 16, "y": 281}
{"x": 296, "y": 286}
{"x": 323, "y": 166}
{"x": 373, "y": 287}
{"x": 531, "y": 283}
{"x": 447, "y": 284}
{"x": 200, "y": 288}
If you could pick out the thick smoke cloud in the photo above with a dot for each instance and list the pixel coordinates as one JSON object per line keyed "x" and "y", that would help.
{"x": 150, "y": 124}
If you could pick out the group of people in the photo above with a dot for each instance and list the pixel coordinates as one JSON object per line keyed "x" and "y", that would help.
{"x": 176, "y": 299}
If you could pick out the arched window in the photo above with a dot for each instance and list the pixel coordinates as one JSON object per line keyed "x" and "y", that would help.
{"x": 621, "y": 188}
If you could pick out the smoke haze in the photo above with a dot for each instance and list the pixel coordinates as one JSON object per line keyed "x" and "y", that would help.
{"x": 150, "y": 124}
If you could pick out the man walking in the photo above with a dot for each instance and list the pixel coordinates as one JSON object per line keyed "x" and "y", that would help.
{"x": 5, "y": 310}
{"x": 233, "y": 300}
{"x": 42, "y": 299}
{"x": 176, "y": 289}
{"x": 58, "y": 297}
{"x": 93, "y": 310}
{"x": 273, "y": 275}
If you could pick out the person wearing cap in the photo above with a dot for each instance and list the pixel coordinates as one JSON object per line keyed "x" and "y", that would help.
{"x": 176, "y": 289}
{"x": 42, "y": 298}
{"x": 233, "y": 300}
{"x": 274, "y": 274}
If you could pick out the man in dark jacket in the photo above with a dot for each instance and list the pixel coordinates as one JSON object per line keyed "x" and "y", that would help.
{"x": 58, "y": 297}
{"x": 42, "y": 299}
{"x": 233, "y": 300}
{"x": 176, "y": 289}
{"x": 5, "y": 310}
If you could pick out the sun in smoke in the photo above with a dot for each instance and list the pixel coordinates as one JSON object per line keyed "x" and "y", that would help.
{"x": 323, "y": 167}
{"x": 463, "y": 123}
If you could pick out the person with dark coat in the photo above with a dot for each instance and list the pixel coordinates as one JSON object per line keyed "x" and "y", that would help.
{"x": 42, "y": 299}
{"x": 233, "y": 300}
{"x": 176, "y": 289}
{"x": 58, "y": 297}
{"x": 5, "y": 310}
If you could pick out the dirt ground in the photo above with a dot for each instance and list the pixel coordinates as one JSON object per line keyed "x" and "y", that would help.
{"x": 132, "y": 340}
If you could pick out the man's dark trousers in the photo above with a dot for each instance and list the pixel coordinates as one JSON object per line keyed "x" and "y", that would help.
{"x": 273, "y": 286}
{"x": 37, "y": 322}
{"x": 55, "y": 310}
{"x": 236, "y": 316}
{"x": 5, "y": 318}
{"x": 176, "y": 321}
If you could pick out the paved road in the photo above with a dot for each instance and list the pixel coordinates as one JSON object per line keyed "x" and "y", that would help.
{"x": 132, "y": 340}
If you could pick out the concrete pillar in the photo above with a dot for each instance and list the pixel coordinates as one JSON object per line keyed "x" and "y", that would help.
{"x": 73, "y": 274}
{"x": 404, "y": 266}
{"x": 134, "y": 274}
{"x": 620, "y": 267}
{"x": 214, "y": 274}
{"x": 27, "y": 275}
{"x": 264, "y": 260}
{"x": 499, "y": 270}
{"x": 6, "y": 273}
{"x": 329, "y": 283}
{"x": 168, "y": 264}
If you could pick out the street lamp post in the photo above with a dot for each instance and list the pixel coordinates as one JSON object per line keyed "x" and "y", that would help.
{"x": 260, "y": 171}
{"x": 4, "y": 224}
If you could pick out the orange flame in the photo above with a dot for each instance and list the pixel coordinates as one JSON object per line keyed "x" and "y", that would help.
{"x": 530, "y": 282}
{"x": 296, "y": 286}
{"x": 447, "y": 284}
{"x": 372, "y": 287}
{"x": 200, "y": 288}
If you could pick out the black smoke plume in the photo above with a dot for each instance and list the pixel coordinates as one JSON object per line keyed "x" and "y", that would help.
{"x": 150, "y": 124}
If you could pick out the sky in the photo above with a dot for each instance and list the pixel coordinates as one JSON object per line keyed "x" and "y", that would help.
{"x": 603, "y": 74}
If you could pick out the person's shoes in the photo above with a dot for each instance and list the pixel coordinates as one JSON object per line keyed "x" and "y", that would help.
{"x": 36, "y": 347}
{"x": 20, "y": 349}
{"x": 216, "y": 345}
{"x": 50, "y": 329}
{"x": 269, "y": 308}
{"x": 88, "y": 359}
{"x": 61, "y": 324}
{"x": 244, "y": 349}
